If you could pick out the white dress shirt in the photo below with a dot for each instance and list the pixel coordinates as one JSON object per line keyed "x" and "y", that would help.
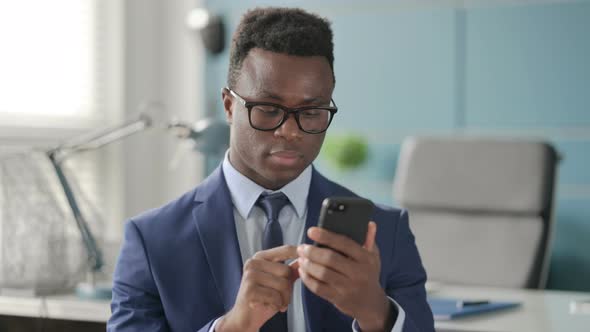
{"x": 250, "y": 221}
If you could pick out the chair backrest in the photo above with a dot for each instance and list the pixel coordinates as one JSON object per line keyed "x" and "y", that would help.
{"x": 481, "y": 208}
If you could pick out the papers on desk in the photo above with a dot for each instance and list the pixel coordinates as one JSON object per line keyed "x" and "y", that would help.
{"x": 447, "y": 309}
{"x": 580, "y": 307}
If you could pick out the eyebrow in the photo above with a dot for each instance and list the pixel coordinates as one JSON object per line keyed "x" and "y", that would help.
{"x": 270, "y": 95}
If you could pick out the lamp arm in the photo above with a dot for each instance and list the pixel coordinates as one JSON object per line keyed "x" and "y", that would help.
{"x": 104, "y": 137}
{"x": 94, "y": 253}
{"x": 101, "y": 138}
{"x": 85, "y": 143}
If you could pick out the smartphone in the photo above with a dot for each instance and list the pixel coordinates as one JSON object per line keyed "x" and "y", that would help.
{"x": 347, "y": 216}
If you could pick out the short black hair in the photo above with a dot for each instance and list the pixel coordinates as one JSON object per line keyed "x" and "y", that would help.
{"x": 291, "y": 31}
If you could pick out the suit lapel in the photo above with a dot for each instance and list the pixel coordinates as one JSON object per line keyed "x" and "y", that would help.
{"x": 314, "y": 306}
{"x": 217, "y": 230}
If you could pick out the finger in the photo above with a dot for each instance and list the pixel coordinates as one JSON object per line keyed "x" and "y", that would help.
{"x": 278, "y": 254}
{"x": 326, "y": 257}
{"x": 257, "y": 294}
{"x": 370, "y": 238}
{"x": 318, "y": 287}
{"x": 276, "y": 269}
{"x": 376, "y": 250}
{"x": 294, "y": 266}
{"x": 263, "y": 306}
{"x": 283, "y": 286}
{"x": 266, "y": 307}
{"x": 338, "y": 242}
{"x": 322, "y": 273}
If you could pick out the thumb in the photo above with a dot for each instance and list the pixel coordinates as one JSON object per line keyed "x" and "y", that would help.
{"x": 370, "y": 239}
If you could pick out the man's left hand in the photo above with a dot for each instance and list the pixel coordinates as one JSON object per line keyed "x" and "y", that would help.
{"x": 347, "y": 275}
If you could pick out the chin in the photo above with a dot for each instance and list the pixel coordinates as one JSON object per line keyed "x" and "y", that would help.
{"x": 281, "y": 177}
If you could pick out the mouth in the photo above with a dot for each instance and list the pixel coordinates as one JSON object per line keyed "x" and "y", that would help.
{"x": 285, "y": 157}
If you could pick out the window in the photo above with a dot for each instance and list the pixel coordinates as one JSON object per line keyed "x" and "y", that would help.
{"x": 60, "y": 76}
{"x": 53, "y": 60}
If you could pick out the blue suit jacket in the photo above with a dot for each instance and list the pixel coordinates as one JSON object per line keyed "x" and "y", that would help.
{"x": 180, "y": 265}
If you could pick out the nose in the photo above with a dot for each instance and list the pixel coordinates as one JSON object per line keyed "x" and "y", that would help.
{"x": 289, "y": 129}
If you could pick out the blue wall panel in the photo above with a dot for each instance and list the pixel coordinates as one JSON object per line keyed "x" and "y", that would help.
{"x": 575, "y": 166}
{"x": 528, "y": 65}
{"x": 392, "y": 79}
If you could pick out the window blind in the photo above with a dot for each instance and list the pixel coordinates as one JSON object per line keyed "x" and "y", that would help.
{"x": 56, "y": 66}
{"x": 50, "y": 62}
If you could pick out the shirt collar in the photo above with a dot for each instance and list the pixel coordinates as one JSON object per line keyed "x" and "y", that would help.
{"x": 245, "y": 192}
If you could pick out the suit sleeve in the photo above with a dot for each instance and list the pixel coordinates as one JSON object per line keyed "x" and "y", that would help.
{"x": 136, "y": 304}
{"x": 405, "y": 284}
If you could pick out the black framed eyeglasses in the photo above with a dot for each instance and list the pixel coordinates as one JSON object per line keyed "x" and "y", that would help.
{"x": 269, "y": 116}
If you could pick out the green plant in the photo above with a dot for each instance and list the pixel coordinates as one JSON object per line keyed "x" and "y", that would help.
{"x": 346, "y": 152}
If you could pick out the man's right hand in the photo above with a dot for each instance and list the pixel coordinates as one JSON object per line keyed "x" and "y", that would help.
{"x": 265, "y": 289}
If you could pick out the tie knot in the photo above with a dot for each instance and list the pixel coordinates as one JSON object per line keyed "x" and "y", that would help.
{"x": 272, "y": 204}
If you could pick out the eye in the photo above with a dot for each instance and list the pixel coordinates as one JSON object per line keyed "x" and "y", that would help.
{"x": 312, "y": 113}
{"x": 267, "y": 110}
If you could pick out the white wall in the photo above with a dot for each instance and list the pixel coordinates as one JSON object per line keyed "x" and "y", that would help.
{"x": 163, "y": 61}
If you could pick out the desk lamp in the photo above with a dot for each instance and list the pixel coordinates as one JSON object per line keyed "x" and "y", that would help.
{"x": 209, "y": 136}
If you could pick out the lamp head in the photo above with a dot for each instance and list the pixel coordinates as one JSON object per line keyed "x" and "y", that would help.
{"x": 210, "y": 136}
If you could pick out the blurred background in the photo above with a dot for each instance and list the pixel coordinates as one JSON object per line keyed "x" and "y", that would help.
{"x": 500, "y": 68}
{"x": 509, "y": 69}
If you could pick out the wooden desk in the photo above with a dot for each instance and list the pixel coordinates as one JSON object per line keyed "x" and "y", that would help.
{"x": 541, "y": 310}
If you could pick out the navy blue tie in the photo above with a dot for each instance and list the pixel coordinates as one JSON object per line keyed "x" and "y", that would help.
{"x": 272, "y": 237}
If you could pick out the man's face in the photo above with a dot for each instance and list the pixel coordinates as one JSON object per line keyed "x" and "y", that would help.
{"x": 274, "y": 158}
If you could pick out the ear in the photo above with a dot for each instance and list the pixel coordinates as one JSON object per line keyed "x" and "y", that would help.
{"x": 227, "y": 105}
